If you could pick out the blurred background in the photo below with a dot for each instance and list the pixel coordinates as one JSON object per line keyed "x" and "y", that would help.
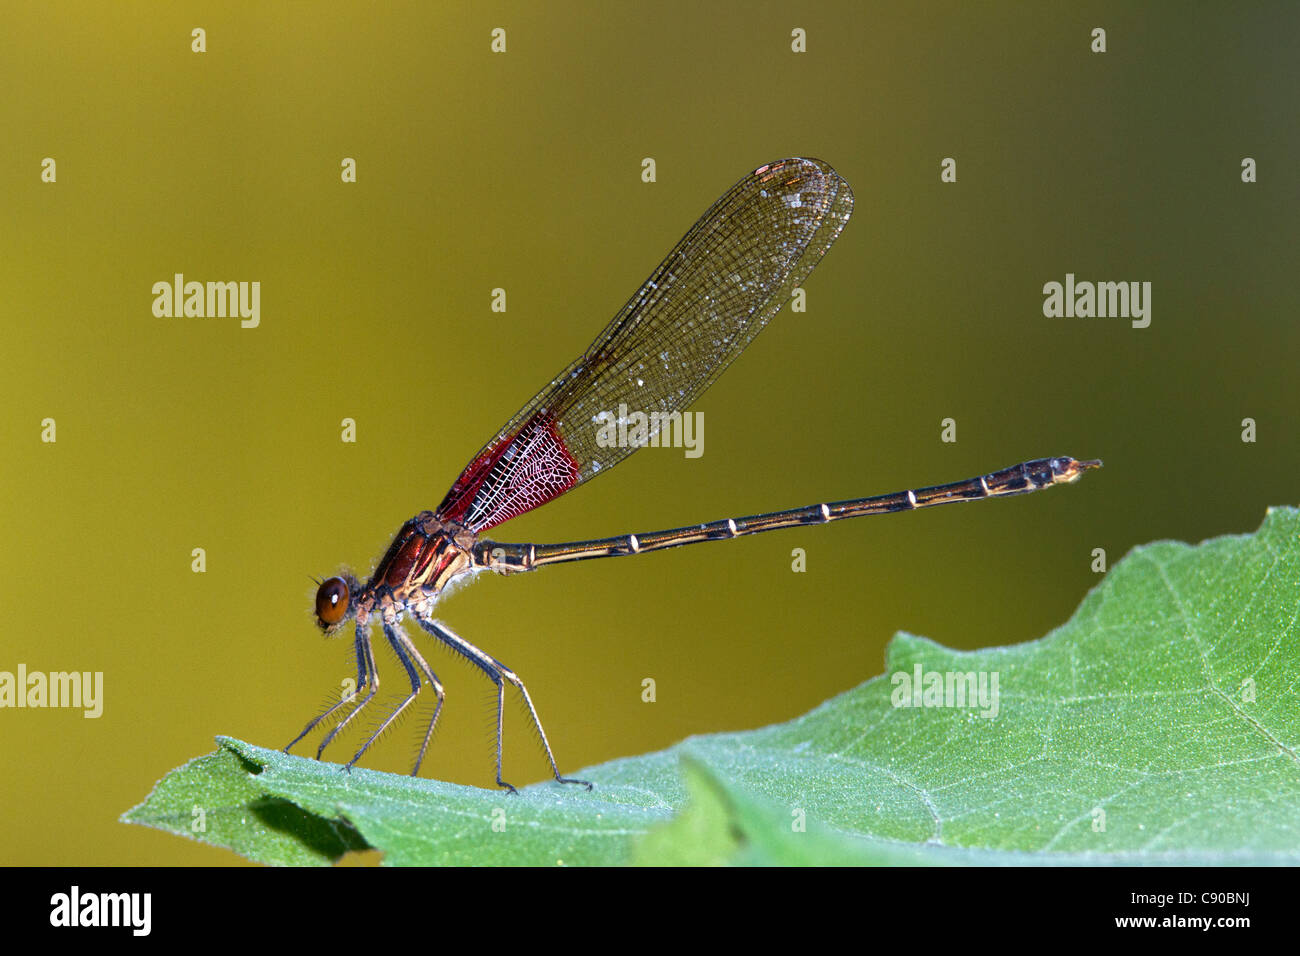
{"x": 522, "y": 170}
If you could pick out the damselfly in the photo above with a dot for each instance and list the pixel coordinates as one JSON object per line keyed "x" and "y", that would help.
{"x": 705, "y": 303}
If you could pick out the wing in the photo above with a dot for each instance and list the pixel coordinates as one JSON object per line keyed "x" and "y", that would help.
{"x": 706, "y": 302}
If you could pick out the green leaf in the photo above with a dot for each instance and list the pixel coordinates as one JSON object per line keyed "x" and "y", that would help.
{"x": 1159, "y": 725}
{"x": 216, "y": 799}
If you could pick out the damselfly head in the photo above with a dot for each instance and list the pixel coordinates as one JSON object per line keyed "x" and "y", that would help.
{"x": 334, "y": 602}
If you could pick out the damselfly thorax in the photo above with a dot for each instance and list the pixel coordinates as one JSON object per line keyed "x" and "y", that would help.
{"x": 426, "y": 556}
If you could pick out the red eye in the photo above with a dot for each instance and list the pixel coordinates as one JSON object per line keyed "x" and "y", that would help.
{"x": 332, "y": 602}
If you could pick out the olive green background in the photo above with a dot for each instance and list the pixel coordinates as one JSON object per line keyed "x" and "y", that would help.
{"x": 522, "y": 170}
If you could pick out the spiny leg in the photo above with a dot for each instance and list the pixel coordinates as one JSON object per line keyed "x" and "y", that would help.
{"x": 391, "y": 634}
{"x": 499, "y": 675}
{"x": 437, "y": 690}
{"x": 363, "y": 678}
{"x": 513, "y": 678}
{"x": 486, "y": 665}
{"x": 364, "y": 650}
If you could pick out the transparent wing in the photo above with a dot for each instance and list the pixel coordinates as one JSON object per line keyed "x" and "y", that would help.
{"x": 706, "y": 302}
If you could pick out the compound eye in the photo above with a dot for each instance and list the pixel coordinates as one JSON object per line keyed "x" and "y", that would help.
{"x": 332, "y": 601}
